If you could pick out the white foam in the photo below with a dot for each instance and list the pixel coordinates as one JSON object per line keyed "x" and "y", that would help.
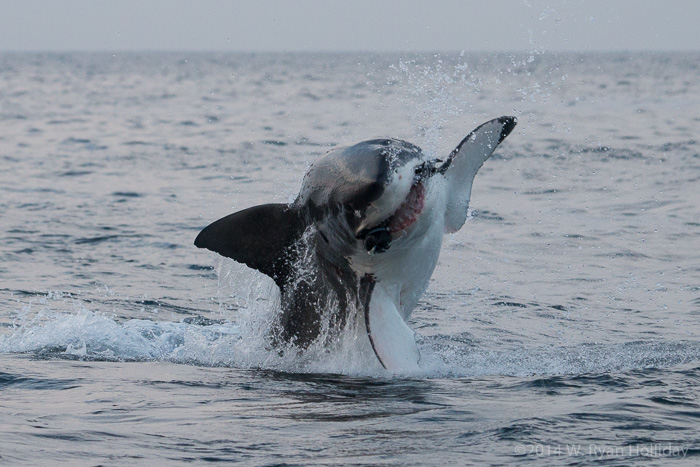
{"x": 242, "y": 341}
{"x": 88, "y": 335}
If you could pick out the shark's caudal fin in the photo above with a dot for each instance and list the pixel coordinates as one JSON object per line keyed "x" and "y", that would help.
{"x": 464, "y": 162}
{"x": 260, "y": 237}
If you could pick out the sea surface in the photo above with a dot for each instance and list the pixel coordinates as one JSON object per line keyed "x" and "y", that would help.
{"x": 561, "y": 326}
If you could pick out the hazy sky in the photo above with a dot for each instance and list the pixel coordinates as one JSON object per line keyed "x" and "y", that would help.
{"x": 327, "y": 25}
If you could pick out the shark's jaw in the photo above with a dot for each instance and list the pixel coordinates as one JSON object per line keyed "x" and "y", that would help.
{"x": 408, "y": 212}
{"x": 377, "y": 238}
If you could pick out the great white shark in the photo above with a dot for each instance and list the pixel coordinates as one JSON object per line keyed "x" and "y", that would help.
{"x": 361, "y": 240}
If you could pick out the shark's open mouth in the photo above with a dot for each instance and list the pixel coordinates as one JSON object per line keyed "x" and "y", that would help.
{"x": 378, "y": 239}
{"x": 408, "y": 212}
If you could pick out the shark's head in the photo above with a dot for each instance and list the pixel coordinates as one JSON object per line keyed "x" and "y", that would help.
{"x": 372, "y": 193}
{"x": 377, "y": 187}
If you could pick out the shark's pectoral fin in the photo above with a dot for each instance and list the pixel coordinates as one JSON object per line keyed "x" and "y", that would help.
{"x": 464, "y": 162}
{"x": 260, "y": 237}
{"x": 392, "y": 340}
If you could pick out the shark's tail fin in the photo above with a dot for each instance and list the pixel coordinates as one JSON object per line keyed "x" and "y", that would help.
{"x": 260, "y": 237}
{"x": 464, "y": 162}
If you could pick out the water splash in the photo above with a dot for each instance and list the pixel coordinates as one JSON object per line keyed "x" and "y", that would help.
{"x": 436, "y": 92}
{"x": 90, "y": 335}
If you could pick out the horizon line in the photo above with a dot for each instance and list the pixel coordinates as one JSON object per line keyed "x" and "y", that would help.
{"x": 351, "y": 51}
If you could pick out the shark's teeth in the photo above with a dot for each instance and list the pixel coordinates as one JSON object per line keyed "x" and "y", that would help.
{"x": 408, "y": 212}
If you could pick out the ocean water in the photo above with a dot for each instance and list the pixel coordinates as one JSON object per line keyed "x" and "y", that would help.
{"x": 562, "y": 324}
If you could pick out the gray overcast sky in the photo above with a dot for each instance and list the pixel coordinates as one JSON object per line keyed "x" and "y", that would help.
{"x": 362, "y": 25}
